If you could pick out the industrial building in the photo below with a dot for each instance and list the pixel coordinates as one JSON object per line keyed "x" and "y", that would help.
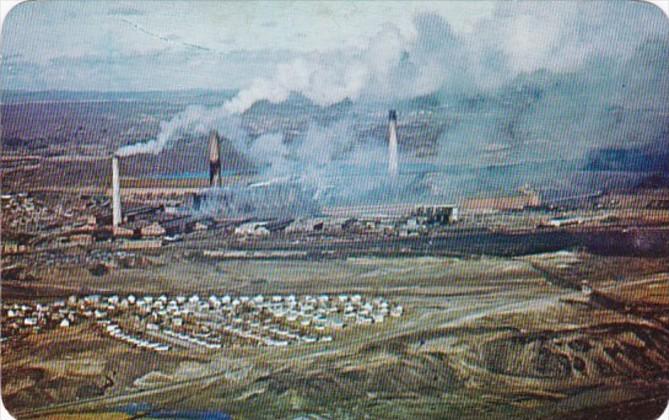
{"x": 426, "y": 215}
{"x": 517, "y": 202}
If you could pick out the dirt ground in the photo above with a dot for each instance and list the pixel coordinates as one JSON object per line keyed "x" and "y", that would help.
{"x": 480, "y": 337}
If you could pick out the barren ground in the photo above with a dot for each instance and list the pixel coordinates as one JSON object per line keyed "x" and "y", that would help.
{"x": 480, "y": 337}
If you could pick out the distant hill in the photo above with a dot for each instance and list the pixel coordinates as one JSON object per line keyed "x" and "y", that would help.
{"x": 195, "y": 96}
{"x": 636, "y": 160}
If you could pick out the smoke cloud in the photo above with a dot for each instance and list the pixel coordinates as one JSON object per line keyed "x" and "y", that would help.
{"x": 282, "y": 201}
{"x": 529, "y": 94}
{"x": 193, "y": 120}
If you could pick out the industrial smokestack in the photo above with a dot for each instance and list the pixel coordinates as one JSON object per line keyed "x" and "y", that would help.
{"x": 214, "y": 159}
{"x": 116, "y": 193}
{"x": 393, "y": 165}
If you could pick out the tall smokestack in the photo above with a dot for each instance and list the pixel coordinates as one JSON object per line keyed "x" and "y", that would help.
{"x": 214, "y": 159}
{"x": 393, "y": 166}
{"x": 116, "y": 193}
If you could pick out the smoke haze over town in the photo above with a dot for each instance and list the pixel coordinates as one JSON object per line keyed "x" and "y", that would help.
{"x": 520, "y": 91}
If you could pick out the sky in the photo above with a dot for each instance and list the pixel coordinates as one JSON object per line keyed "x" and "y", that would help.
{"x": 146, "y": 45}
{"x": 166, "y": 45}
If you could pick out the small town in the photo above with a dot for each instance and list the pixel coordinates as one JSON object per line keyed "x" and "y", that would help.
{"x": 159, "y": 323}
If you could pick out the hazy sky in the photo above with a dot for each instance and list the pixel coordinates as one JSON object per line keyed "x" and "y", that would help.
{"x": 185, "y": 44}
{"x": 143, "y": 45}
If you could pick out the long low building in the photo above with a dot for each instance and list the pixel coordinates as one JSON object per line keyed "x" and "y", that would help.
{"x": 141, "y": 244}
{"x": 515, "y": 202}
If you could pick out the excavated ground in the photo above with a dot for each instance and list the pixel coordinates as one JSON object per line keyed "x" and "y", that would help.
{"x": 495, "y": 337}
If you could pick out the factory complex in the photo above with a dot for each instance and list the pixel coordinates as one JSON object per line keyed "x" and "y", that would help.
{"x": 252, "y": 295}
{"x": 276, "y": 220}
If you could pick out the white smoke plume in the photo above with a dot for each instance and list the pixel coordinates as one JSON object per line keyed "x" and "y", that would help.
{"x": 584, "y": 50}
{"x": 193, "y": 120}
{"x": 323, "y": 78}
{"x": 327, "y": 78}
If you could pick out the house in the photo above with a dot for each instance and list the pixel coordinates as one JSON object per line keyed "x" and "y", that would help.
{"x": 81, "y": 239}
{"x": 252, "y": 229}
{"x": 123, "y": 232}
{"x": 154, "y": 230}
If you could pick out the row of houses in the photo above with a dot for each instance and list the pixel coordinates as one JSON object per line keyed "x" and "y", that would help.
{"x": 158, "y": 322}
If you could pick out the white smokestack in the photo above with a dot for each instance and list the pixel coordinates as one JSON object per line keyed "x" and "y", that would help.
{"x": 116, "y": 193}
{"x": 393, "y": 165}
